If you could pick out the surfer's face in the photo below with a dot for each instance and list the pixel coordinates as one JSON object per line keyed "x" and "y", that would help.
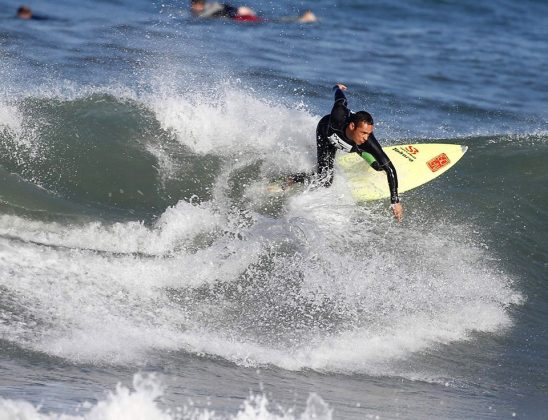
{"x": 359, "y": 133}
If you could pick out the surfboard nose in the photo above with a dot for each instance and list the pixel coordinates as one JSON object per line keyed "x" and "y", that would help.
{"x": 463, "y": 148}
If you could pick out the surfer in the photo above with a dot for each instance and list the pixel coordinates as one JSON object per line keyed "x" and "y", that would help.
{"x": 25, "y": 13}
{"x": 351, "y": 132}
{"x": 205, "y": 9}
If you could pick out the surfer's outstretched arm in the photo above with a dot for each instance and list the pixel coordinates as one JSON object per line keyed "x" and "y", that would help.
{"x": 339, "y": 112}
{"x": 380, "y": 162}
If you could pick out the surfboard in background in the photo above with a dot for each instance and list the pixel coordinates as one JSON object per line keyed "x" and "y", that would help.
{"x": 416, "y": 164}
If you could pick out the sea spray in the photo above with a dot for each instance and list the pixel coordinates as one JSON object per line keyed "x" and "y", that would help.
{"x": 145, "y": 402}
{"x": 203, "y": 261}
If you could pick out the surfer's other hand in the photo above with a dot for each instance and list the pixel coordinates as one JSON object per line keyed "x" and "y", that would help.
{"x": 341, "y": 86}
{"x": 397, "y": 210}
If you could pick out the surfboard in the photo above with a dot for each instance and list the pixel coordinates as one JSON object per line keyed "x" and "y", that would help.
{"x": 416, "y": 164}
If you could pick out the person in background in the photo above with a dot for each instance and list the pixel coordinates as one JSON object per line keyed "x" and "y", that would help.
{"x": 24, "y": 13}
{"x": 204, "y": 9}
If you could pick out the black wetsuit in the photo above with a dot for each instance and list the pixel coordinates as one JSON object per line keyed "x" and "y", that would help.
{"x": 330, "y": 136}
{"x": 217, "y": 10}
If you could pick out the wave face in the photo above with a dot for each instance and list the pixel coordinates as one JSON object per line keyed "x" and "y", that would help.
{"x": 133, "y": 227}
{"x": 92, "y": 150}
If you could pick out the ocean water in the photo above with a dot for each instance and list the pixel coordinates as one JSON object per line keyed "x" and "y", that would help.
{"x": 145, "y": 273}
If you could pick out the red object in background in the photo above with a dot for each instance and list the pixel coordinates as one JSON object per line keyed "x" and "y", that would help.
{"x": 248, "y": 18}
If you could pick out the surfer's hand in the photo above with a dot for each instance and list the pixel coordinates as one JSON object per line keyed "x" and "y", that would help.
{"x": 341, "y": 86}
{"x": 397, "y": 210}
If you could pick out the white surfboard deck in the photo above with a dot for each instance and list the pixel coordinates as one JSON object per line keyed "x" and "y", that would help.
{"x": 416, "y": 164}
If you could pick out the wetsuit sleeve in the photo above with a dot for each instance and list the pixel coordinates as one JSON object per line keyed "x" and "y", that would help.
{"x": 230, "y": 11}
{"x": 340, "y": 111}
{"x": 217, "y": 10}
{"x": 382, "y": 162}
{"x": 370, "y": 160}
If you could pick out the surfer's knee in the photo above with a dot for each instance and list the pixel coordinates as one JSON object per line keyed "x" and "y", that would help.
{"x": 325, "y": 178}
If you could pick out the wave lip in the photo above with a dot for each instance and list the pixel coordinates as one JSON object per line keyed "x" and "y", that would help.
{"x": 142, "y": 152}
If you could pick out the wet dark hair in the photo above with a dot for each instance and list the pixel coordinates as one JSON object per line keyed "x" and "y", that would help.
{"x": 23, "y": 9}
{"x": 359, "y": 117}
{"x": 196, "y": 1}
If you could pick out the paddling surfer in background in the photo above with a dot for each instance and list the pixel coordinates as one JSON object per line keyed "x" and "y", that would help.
{"x": 206, "y": 9}
{"x": 203, "y": 9}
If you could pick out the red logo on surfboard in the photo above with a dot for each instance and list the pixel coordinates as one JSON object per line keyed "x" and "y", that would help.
{"x": 438, "y": 162}
{"x": 411, "y": 149}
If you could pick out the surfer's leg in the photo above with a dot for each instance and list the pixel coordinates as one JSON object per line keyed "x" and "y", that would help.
{"x": 326, "y": 159}
{"x": 309, "y": 177}
{"x": 326, "y": 155}
{"x": 301, "y": 177}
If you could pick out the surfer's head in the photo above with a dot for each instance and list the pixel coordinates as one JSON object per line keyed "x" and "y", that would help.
{"x": 24, "y": 13}
{"x": 360, "y": 126}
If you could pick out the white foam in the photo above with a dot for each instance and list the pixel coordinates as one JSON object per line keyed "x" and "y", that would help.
{"x": 369, "y": 350}
{"x": 104, "y": 292}
{"x": 10, "y": 117}
{"x": 228, "y": 120}
{"x": 142, "y": 403}
{"x": 12, "y": 125}
{"x": 177, "y": 225}
{"x": 234, "y": 119}
{"x": 104, "y": 307}
{"x": 400, "y": 291}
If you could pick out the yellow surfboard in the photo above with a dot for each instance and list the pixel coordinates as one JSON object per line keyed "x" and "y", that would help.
{"x": 416, "y": 164}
